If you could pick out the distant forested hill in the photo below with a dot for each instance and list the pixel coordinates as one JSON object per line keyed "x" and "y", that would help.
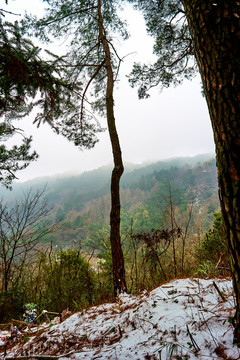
{"x": 82, "y": 203}
{"x": 98, "y": 181}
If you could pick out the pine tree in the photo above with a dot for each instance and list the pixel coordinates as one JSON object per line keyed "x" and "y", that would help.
{"x": 205, "y": 33}
{"x": 92, "y": 60}
{"x": 26, "y": 81}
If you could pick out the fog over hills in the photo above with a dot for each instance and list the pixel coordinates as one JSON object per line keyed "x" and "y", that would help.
{"x": 96, "y": 179}
{"x": 81, "y": 204}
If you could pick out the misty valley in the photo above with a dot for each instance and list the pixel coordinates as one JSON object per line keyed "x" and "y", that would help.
{"x": 168, "y": 209}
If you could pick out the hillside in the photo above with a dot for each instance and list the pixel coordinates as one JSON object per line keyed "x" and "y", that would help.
{"x": 99, "y": 179}
{"x": 82, "y": 203}
{"x": 170, "y": 227}
{"x": 182, "y": 319}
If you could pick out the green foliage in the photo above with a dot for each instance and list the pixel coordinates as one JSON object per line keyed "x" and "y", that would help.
{"x": 78, "y": 222}
{"x": 56, "y": 281}
{"x": 167, "y": 24}
{"x": 99, "y": 242}
{"x": 50, "y": 239}
{"x": 144, "y": 198}
{"x": 212, "y": 253}
{"x": 105, "y": 277}
{"x": 85, "y": 57}
{"x": 173, "y": 351}
{"x": 22, "y": 73}
{"x": 214, "y": 242}
{"x": 11, "y": 304}
{"x": 142, "y": 220}
{"x": 207, "y": 269}
{"x": 211, "y": 208}
{"x": 27, "y": 81}
{"x": 67, "y": 224}
{"x": 158, "y": 200}
{"x": 14, "y": 159}
{"x": 67, "y": 280}
{"x": 60, "y": 215}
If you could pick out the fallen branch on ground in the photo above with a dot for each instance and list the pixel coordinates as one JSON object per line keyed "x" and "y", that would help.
{"x": 194, "y": 344}
{"x": 219, "y": 292}
{"x": 45, "y": 312}
{"x": 24, "y": 323}
{"x": 34, "y": 356}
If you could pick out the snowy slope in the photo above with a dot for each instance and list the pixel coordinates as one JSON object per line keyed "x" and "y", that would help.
{"x": 183, "y": 319}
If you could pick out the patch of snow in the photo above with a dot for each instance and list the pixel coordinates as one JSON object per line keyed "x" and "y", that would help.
{"x": 185, "y": 318}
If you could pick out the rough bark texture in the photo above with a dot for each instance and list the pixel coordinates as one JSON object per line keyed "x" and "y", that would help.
{"x": 117, "y": 254}
{"x": 215, "y": 29}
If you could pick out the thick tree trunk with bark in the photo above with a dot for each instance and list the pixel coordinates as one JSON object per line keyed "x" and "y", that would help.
{"x": 215, "y": 29}
{"x": 117, "y": 254}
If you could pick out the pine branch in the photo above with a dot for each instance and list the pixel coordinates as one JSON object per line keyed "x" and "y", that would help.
{"x": 87, "y": 86}
{"x": 45, "y": 23}
{"x": 8, "y": 12}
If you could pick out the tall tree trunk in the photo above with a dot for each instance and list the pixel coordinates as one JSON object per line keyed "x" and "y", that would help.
{"x": 117, "y": 254}
{"x": 215, "y": 29}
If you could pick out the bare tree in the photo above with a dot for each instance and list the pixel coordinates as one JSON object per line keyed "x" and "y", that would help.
{"x": 21, "y": 228}
{"x": 171, "y": 221}
{"x": 157, "y": 243}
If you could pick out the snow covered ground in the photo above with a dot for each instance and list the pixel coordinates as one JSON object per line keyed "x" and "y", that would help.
{"x": 183, "y": 319}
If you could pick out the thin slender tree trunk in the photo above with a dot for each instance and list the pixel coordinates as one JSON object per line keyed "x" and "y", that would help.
{"x": 215, "y": 29}
{"x": 184, "y": 236}
{"x": 117, "y": 254}
{"x": 172, "y": 222}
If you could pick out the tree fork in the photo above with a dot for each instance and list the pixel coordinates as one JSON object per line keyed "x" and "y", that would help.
{"x": 215, "y": 30}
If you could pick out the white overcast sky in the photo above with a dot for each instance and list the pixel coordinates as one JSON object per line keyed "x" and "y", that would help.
{"x": 173, "y": 122}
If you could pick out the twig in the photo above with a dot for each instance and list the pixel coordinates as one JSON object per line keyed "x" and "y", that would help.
{"x": 44, "y": 312}
{"x": 52, "y": 312}
{"x": 206, "y": 323}
{"x": 86, "y": 88}
{"x": 24, "y": 323}
{"x": 120, "y": 331}
{"x": 9, "y": 12}
{"x": 5, "y": 350}
{"x": 219, "y": 292}
{"x": 195, "y": 345}
{"x": 3, "y": 326}
{"x": 44, "y": 357}
{"x": 79, "y": 11}
{"x": 38, "y": 317}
